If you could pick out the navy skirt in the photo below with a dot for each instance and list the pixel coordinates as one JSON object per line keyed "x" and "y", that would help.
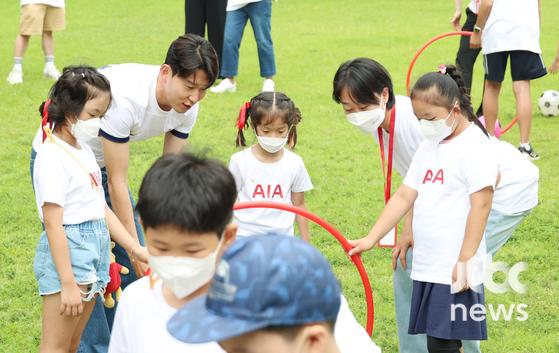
{"x": 438, "y": 313}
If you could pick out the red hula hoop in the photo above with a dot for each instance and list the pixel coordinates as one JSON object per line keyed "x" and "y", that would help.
{"x": 427, "y": 44}
{"x": 339, "y": 237}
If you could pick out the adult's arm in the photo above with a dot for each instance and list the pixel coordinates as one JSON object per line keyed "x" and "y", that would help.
{"x": 455, "y": 21}
{"x": 173, "y": 143}
{"x": 483, "y": 14}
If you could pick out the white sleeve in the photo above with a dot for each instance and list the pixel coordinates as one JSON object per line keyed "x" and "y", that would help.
{"x": 121, "y": 327}
{"x": 412, "y": 176}
{"x": 480, "y": 168}
{"x": 118, "y": 122}
{"x": 350, "y": 336}
{"x": 236, "y": 171}
{"x": 302, "y": 180}
{"x": 191, "y": 116}
{"x": 50, "y": 178}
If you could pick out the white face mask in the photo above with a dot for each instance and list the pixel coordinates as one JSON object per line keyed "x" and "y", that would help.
{"x": 272, "y": 144}
{"x": 183, "y": 275}
{"x": 86, "y": 130}
{"x": 436, "y": 130}
{"x": 368, "y": 120}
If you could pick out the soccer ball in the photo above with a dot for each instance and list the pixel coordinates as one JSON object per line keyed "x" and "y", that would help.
{"x": 549, "y": 103}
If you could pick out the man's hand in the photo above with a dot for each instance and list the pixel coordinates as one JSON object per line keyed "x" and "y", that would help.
{"x": 455, "y": 21}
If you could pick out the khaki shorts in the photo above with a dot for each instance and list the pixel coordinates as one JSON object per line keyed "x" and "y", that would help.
{"x": 37, "y": 18}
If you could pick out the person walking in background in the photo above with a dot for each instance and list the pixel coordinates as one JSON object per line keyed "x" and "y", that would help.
{"x": 466, "y": 57}
{"x": 38, "y": 18}
{"x": 259, "y": 12}
{"x": 210, "y": 13}
{"x": 506, "y": 29}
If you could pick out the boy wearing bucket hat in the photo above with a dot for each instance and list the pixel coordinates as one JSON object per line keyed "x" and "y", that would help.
{"x": 270, "y": 294}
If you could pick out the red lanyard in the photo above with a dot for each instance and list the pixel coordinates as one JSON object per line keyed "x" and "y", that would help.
{"x": 387, "y": 172}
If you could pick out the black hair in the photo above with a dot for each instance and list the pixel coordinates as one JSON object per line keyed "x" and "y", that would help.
{"x": 364, "y": 79}
{"x": 189, "y": 53}
{"x": 289, "y": 333}
{"x": 266, "y": 107}
{"x": 191, "y": 193}
{"x": 444, "y": 90}
{"x": 76, "y": 86}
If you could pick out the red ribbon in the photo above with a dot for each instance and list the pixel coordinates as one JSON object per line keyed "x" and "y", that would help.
{"x": 241, "y": 121}
{"x": 45, "y": 118}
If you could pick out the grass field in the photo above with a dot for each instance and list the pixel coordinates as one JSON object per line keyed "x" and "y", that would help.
{"x": 311, "y": 38}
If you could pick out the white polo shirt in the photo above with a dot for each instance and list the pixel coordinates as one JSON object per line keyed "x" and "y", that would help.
{"x": 512, "y": 25}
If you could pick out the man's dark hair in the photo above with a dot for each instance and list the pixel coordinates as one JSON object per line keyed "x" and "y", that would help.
{"x": 191, "y": 52}
{"x": 192, "y": 193}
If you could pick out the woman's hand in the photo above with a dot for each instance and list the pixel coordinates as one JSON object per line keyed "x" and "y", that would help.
{"x": 401, "y": 250}
{"x": 475, "y": 40}
{"x": 71, "y": 300}
{"x": 140, "y": 253}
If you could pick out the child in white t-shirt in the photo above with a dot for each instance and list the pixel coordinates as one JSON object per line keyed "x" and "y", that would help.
{"x": 267, "y": 171}
{"x": 450, "y": 184}
{"x": 42, "y": 18}
{"x": 72, "y": 258}
{"x": 510, "y": 28}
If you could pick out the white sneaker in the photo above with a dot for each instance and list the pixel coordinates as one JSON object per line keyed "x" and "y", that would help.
{"x": 226, "y": 85}
{"x": 269, "y": 85}
{"x": 15, "y": 77}
{"x": 51, "y": 72}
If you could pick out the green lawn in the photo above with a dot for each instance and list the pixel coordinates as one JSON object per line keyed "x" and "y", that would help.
{"x": 311, "y": 37}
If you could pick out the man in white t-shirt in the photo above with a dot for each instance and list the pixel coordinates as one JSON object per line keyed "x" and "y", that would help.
{"x": 148, "y": 101}
{"x": 510, "y": 28}
{"x": 187, "y": 230}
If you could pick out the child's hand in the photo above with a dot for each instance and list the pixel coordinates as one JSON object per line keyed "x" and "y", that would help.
{"x": 71, "y": 300}
{"x": 140, "y": 253}
{"x": 459, "y": 278}
{"x": 360, "y": 245}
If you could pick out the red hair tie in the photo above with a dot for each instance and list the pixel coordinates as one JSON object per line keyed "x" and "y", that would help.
{"x": 45, "y": 118}
{"x": 241, "y": 121}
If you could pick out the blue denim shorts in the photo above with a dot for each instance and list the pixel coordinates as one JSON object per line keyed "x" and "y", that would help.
{"x": 89, "y": 246}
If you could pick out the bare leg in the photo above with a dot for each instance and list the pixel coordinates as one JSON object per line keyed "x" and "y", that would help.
{"x": 59, "y": 331}
{"x": 523, "y": 108}
{"x": 21, "y": 46}
{"x": 84, "y": 318}
{"x": 491, "y": 105}
{"x": 48, "y": 43}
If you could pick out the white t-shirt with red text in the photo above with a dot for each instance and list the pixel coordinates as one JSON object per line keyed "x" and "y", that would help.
{"x": 444, "y": 176}
{"x": 271, "y": 182}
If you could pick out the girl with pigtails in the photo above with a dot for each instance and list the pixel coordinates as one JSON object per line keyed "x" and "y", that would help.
{"x": 73, "y": 253}
{"x": 267, "y": 171}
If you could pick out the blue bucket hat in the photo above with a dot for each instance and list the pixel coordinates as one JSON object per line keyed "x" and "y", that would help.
{"x": 261, "y": 281}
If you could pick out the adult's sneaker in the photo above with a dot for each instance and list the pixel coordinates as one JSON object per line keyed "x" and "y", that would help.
{"x": 51, "y": 72}
{"x": 268, "y": 86}
{"x": 529, "y": 152}
{"x": 226, "y": 85}
{"x": 15, "y": 77}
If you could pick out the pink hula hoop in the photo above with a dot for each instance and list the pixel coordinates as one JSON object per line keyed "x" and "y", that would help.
{"x": 339, "y": 237}
{"x": 427, "y": 44}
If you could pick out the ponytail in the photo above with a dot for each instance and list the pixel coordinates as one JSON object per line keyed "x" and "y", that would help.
{"x": 242, "y": 123}
{"x": 449, "y": 87}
